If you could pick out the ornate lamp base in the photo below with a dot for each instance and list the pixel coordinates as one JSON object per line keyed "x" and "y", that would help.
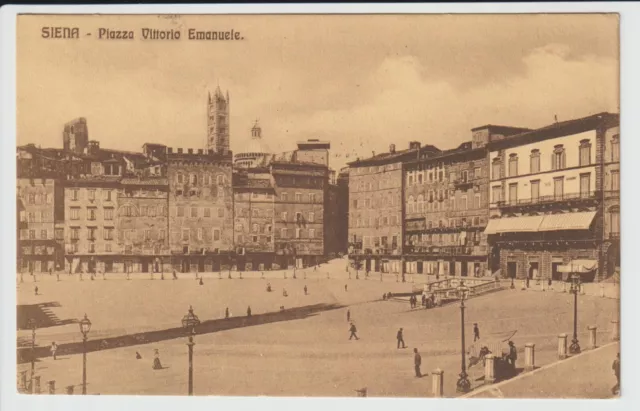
{"x": 463, "y": 384}
{"x": 574, "y": 348}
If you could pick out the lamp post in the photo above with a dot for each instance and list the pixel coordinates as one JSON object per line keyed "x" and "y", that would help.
{"x": 189, "y": 323}
{"x": 85, "y": 327}
{"x": 574, "y": 348}
{"x": 463, "y": 384}
{"x": 32, "y": 325}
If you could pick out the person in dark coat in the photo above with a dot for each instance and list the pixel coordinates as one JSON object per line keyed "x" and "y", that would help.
{"x": 305, "y": 290}
{"x": 400, "y": 339}
{"x": 226, "y": 312}
{"x": 138, "y": 356}
{"x": 175, "y": 276}
{"x": 476, "y": 332}
{"x": 249, "y": 311}
{"x": 345, "y": 287}
{"x": 353, "y": 331}
{"x": 513, "y": 354}
{"x": 616, "y": 370}
{"x": 36, "y": 290}
{"x": 348, "y": 315}
{"x": 201, "y": 283}
{"x": 417, "y": 362}
{"x": 156, "y": 360}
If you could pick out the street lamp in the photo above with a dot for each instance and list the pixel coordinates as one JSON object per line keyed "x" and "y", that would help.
{"x": 575, "y": 289}
{"x": 189, "y": 323}
{"x": 463, "y": 384}
{"x": 85, "y": 327}
{"x": 32, "y": 324}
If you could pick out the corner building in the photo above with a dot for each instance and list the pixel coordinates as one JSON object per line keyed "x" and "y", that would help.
{"x": 548, "y": 201}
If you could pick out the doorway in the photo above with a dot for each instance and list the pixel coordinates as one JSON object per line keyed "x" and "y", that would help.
{"x": 463, "y": 270}
{"x": 512, "y": 269}
{"x": 452, "y": 268}
{"x": 145, "y": 266}
{"x": 556, "y": 275}
{"x": 534, "y": 270}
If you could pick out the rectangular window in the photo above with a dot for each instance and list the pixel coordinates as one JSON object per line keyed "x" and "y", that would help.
{"x": 284, "y": 216}
{"x": 162, "y": 234}
{"x": 75, "y": 233}
{"x": 108, "y": 213}
{"x": 59, "y": 233}
{"x": 535, "y": 191}
{"x": 312, "y": 233}
{"x": 558, "y": 188}
{"x": 107, "y": 248}
{"x": 194, "y": 212}
{"x": 180, "y": 211}
{"x": 513, "y": 193}
{"x": 513, "y": 166}
{"x": 283, "y": 233}
{"x": 107, "y": 195}
{"x": 464, "y": 176}
{"x": 199, "y": 233}
{"x": 496, "y": 194}
{"x": 207, "y": 212}
{"x": 221, "y": 212}
{"x": 49, "y": 198}
{"x": 43, "y": 234}
{"x": 92, "y": 213}
{"x": 75, "y": 213}
{"x": 464, "y": 203}
{"x": 91, "y": 233}
{"x": 298, "y": 233}
{"x": 585, "y": 185}
{"x": 585, "y": 154}
{"x": 312, "y": 197}
{"x": 476, "y": 201}
{"x": 92, "y": 247}
{"x": 216, "y": 234}
{"x": 311, "y": 217}
{"x": 185, "y": 234}
{"x": 615, "y": 222}
{"x": 147, "y": 235}
{"x": 74, "y": 194}
{"x": 284, "y": 197}
{"x": 615, "y": 148}
{"x": 144, "y": 211}
{"x": 92, "y": 195}
{"x": 495, "y": 170}
{"x": 298, "y": 197}
{"x": 615, "y": 180}
{"x": 535, "y": 163}
{"x": 558, "y": 159}
{"x": 108, "y": 234}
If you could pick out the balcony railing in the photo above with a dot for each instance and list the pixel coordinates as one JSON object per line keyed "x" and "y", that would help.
{"x": 478, "y": 250}
{"x": 582, "y": 196}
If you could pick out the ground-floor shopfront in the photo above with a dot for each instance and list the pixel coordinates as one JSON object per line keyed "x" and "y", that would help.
{"x": 463, "y": 266}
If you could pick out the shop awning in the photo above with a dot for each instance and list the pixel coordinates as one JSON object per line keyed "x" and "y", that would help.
{"x": 567, "y": 221}
{"x": 578, "y": 266}
{"x": 525, "y": 224}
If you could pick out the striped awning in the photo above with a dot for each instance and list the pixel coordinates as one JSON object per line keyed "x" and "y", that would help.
{"x": 578, "y": 266}
{"x": 567, "y": 221}
{"x": 525, "y": 224}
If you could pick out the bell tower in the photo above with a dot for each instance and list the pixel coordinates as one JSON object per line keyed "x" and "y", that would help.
{"x": 218, "y": 122}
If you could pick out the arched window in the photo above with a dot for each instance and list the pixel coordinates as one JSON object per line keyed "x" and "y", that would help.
{"x": 180, "y": 178}
{"x": 411, "y": 204}
{"x": 614, "y": 220}
{"x": 220, "y": 179}
{"x": 421, "y": 203}
{"x": 193, "y": 179}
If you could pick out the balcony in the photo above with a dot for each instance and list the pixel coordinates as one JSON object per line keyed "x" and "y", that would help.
{"x": 464, "y": 184}
{"x": 448, "y": 250}
{"x": 566, "y": 198}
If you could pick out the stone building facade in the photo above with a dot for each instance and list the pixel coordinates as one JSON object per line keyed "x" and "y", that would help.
{"x": 142, "y": 224}
{"x": 40, "y": 216}
{"x": 611, "y": 199}
{"x": 254, "y": 219}
{"x": 200, "y": 209}
{"x": 547, "y": 205}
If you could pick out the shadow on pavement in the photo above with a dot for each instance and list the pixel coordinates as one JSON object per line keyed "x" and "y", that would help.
{"x": 205, "y": 327}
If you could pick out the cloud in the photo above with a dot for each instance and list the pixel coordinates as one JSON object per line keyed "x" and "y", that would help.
{"x": 405, "y": 105}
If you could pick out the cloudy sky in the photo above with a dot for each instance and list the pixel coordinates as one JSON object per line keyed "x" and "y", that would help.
{"x": 360, "y": 82}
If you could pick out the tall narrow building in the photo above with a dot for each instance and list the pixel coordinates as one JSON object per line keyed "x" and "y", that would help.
{"x": 218, "y": 122}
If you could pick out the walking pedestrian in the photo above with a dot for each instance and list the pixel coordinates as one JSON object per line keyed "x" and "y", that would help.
{"x": 513, "y": 354}
{"x": 57, "y": 276}
{"x": 201, "y": 282}
{"x": 54, "y": 348}
{"x": 417, "y": 362}
{"x": 305, "y": 290}
{"x": 50, "y": 271}
{"x": 36, "y": 290}
{"x": 348, "y": 315}
{"x": 476, "y": 332}
{"x": 400, "y": 338}
{"x": 226, "y": 312}
{"x": 345, "y": 287}
{"x": 249, "y": 311}
{"x": 262, "y": 276}
{"x": 157, "y": 365}
{"x": 616, "y": 370}
{"x": 353, "y": 331}
{"x": 175, "y": 276}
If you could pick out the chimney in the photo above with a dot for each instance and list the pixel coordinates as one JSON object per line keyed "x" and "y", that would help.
{"x": 179, "y": 151}
{"x": 190, "y": 151}
{"x": 392, "y": 148}
{"x": 414, "y": 145}
{"x": 170, "y": 150}
{"x": 199, "y": 151}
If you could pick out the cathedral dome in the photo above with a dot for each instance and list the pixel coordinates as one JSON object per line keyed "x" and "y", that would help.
{"x": 255, "y": 151}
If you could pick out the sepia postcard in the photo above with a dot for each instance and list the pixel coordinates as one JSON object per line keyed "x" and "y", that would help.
{"x": 318, "y": 205}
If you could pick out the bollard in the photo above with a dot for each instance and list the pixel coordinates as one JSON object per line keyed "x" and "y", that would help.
{"x": 52, "y": 387}
{"x": 562, "y": 346}
{"x": 592, "y": 335}
{"x": 542, "y": 285}
{"x": 529, "y": 356}
{"x": 615, "y": 333}
{"x": 524, "y": 285}
{"x": 437, "y": 381}
{"x": 69, "y": 389}
{"x": 489, "y": 369}
{"x": 564, "y": 287}
{"x": 37, "y": 384}
{"x": 602, "y": 290}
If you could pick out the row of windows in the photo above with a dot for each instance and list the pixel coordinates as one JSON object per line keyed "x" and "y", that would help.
{"x": 558, "y": 188}
{"x": 92, "y": 213}
{"x": 37, "y": 250}
{"x": 219, "y": 192}
{"x": 36, "y": 217}
{"x": 186, "y": 234}
{"x": 206, "y": 179}
{"x": 378, "y": 241}
{"x": 376, "y": 169}
{"x": 419, "y": 205}
{"x": 195, "y": 212}
{"x": 38, "y": 199}
{"x": 615, "y": 148}
{"x": 254, "y": 212}
{"x": 385, "y": 201}
{"x": 298, "y": 217}
{"x": 107, "y": 195}
{"x": 254, "y": 239}
{"x": 451, "y": 223}
{"x": 439, "y": 176}
{"x": 375, "y": 221}
{"x": 376, "y": 185}
{"x": 299, "y": 197}
{"x": 300, "y": 233}
{"x": 92, "y": 233}
{"x": 465, "y": 238}
{"x": 38, "y": 234}
{"x": 558, "y": 160}
{"x": 255, "y": 228}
